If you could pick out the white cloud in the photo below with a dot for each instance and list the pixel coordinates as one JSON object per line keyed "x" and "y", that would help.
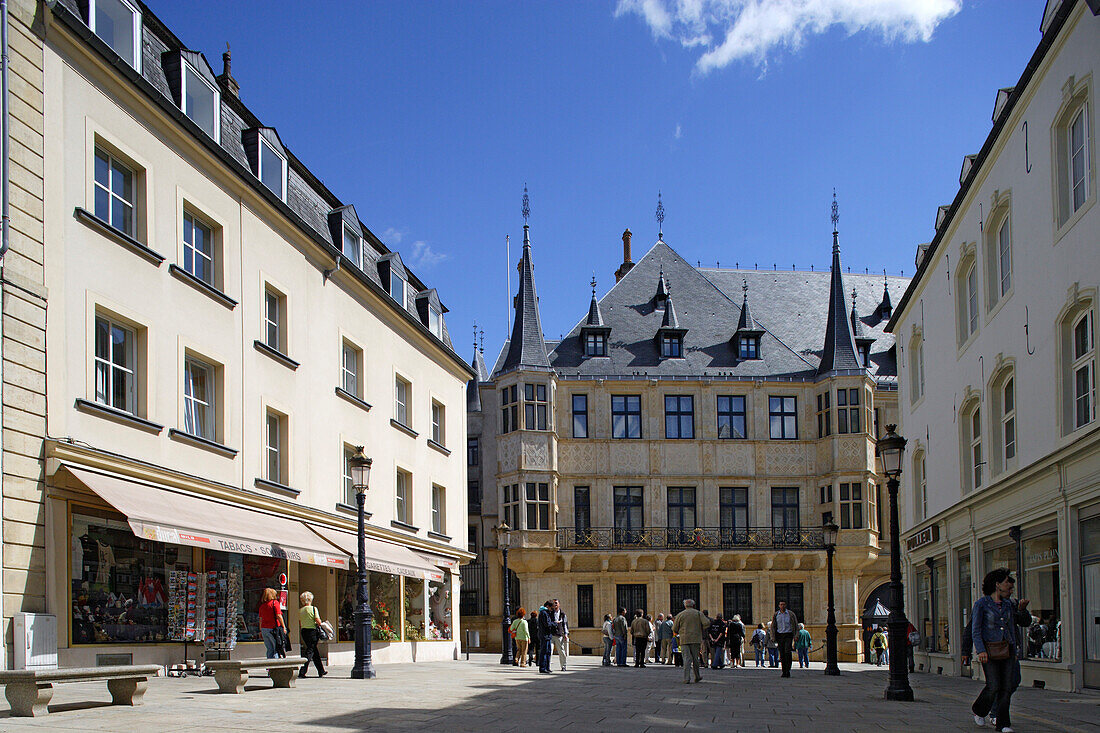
{"x": 751, "y": 29}
{"x": 423, "y": 256}
{"x": 679, "y": 131}
{"x": 393, "y": 236}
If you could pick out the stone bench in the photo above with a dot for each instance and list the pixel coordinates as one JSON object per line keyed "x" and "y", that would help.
{"x": 232, "y": 674}
{"x": 29, "y": 690}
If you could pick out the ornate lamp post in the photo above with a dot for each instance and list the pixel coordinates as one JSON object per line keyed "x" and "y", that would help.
{"x": 890, "y": 448}
{"x": 830, "y": 531}
{"x": 363, "y": 669}
{"x": 504, "y": 538}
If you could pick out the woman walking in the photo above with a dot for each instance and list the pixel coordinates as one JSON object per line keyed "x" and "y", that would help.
{"x": 310, "y": 621}
{"x": 271, "y": 621}
{"x": 996, "y": 640}
{"x": 735, "y": 639}
{"x": 521, "y": 633}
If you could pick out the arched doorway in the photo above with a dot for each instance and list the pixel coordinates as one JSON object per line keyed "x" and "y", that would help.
{"x": 875, "y": 613}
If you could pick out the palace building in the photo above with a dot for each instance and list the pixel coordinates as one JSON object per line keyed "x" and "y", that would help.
{"x": 687, "y": 438}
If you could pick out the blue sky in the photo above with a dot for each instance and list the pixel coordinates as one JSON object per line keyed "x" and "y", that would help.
{"x": 429, "y": 117}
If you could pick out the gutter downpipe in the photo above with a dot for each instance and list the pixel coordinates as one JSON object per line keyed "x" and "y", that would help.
{"x": 5, "y": 223}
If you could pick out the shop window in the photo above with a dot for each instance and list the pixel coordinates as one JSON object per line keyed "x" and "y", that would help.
{"x": 509, "y": 409}
{"x": 386, "y": 606}
{"x": 731, "y": 418}
{"x": 963, "y": 599}
{"x": 439, "y": 609}
{"x": 924, "y": 608}
{"x": 679, "y": 417}
{"x": 120, "y": 583}
{"x": 940, "y": 607}
{"x": 414, "y": 609}
{"x": 626, "y": 416}
{"x": 1041, "y": 585}
{"x": 255, "y": 573}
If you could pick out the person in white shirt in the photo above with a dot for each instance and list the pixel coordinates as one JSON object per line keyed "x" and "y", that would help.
{"x": 784, "y": 626}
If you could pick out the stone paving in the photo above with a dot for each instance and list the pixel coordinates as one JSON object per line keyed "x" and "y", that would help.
{"x": 482, "y": 695}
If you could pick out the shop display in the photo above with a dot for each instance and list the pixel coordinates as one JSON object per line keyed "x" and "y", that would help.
{"x": 222, "y": 591}
{"x": 185, "y": 596}
{"x": 414, "y": 609}
{"x": 439, "y": 604}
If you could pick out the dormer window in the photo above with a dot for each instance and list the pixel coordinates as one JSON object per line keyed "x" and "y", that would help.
{"x": 352, "y": 248}
{"x": 435, "y": 321}
{"x": 118, "y": 24}
{"x": 672, "y": 346}
{"x": 398, "y": 288}
{"x": 272, "y": 169}
{"x": 749, "y": 347}
{"x": 595, "y": 344}
{"x": 200, "y": 101}
{"x": 865, "y": 355}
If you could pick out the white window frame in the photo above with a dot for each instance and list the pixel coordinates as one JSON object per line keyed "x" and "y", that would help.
{"x": 439, "y": 422}
{"x": 274, "y": 310}
{"x": 129, "y": 227}
{"x": 511, "y": 505}
{"x": 111, "y": 365}
{"x": 439, "y": 509}
{"x": 217, "y": 104}
{"x": 974, "y": 428}
{"x": 401, "y": 389}
{"x": 135, "y": 58}
{"x": 851, "y": 505}
{"x": 1008, "y": 419}
{"x": 204, "y": 428}
{"x": 260, "y": 166}
{"x": 922, "y": 485}
{"x": 971, "y": 300}
{"x": 274, "y": 447}
{"x": 1084, "y": 361}
{"x": 916, "y": 368}
{"x": 435, "y": 321}
{"x": 402, "y": 491}
{"x": 1004, "y": 256}
{"x": 1071, "y": 151}
{"x": 349, "y": 372}
{"x": 536, "y": 501}
{"x": 354, "y": 243}
{"x": 197, "y": 222}
{"x": 349, "y": 487}
{"x": 403, "y": 300}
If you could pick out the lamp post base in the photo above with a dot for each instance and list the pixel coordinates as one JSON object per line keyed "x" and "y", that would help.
{"x": 363, "y": 668}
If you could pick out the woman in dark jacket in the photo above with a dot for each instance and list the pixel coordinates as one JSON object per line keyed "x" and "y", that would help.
{"x": 533, "y": 649}
{"x": 993, "y": 627}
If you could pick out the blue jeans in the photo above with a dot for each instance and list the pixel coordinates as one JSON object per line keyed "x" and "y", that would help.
{"x": 759, "y": 656}
{"x": 607, "y": 642}
{"x": 803, "y": 657}
{"x": 546, "y": 643}
{"x": 620, "y": 651}
{"x": 718, "y": 657}
{"x": 269, "y": 642}
{"x": 773, "y": 657}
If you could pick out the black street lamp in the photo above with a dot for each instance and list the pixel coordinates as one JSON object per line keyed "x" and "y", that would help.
{"x": 890, "y": 448}
{"x": 830, "y": 531}
{"x": 504, "y": 538}
{"x": 363, "y": 669}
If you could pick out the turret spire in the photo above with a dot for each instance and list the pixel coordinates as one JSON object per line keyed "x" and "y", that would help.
{"x": 527, "y": 347}
{"x": 660, "y": 219}
{"x": 839, "y": 350}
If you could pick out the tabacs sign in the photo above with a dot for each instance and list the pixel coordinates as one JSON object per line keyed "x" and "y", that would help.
{"x": 926, "y": 536}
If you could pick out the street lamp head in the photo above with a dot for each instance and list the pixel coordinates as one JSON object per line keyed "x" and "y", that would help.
{"x": 890, "y": 448}
{"x": 359, "y": 465}
{"x": 830, "y": 530}
{"x": 504, "y": 534}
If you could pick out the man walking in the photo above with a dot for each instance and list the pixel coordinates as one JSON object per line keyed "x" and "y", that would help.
{"x": 547, "y": 627}
{"x": 664, "y": 638}
{"x": 639, "y": 629}
{"x": 689, "y": 627}
{"x": 784, "y": 626}
{"x": 561, "y": 636}
{"x": 619, "y": 630}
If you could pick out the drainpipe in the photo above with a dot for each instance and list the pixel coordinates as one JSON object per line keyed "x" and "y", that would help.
{"x": 4, "y": 226}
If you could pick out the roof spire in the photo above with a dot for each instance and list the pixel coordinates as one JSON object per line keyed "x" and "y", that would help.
{"x": 839, "y": 351}
{"x": 482, "y": 334}
{"x": 746, "y": 323}
{"x": 526, "y": 211}
{"x": 835, "y": 218}
{"x": 593, "y": 284}
{"x": 526, "y": 347}
{"x": 660, "y": 218}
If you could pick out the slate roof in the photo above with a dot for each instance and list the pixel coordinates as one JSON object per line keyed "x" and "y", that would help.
{"x": 473, "y": 394}
{"x": 309, "y": 203}
{"x": 526, "y": 347}
{"x": 790, "y": 307}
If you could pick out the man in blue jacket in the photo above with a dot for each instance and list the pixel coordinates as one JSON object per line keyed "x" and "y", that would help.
{"x": 547, "y": 628}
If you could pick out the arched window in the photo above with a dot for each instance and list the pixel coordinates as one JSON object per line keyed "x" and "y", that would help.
{"x": 1003, "y": 395}
{"x": 973, "y": 455}
{"x": 1078, "y": 364}
{"x": 966, "y": 295}
{"x": 998, "y": 252}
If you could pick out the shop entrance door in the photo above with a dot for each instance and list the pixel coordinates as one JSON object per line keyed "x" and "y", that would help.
{"x": 1091, "y": 584}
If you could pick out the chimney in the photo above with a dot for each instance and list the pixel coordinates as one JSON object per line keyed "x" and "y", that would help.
{"x": 627, "y": 262}
{"x": 226, "y": 81}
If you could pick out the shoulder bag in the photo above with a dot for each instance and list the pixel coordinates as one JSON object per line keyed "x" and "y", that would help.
{"x": 998, "y": 650}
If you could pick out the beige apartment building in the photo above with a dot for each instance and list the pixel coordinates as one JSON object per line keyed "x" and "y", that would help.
{"x": 688, "y": 438}
{"x": 998, "y": 373}
{"x": 222, "y": 332}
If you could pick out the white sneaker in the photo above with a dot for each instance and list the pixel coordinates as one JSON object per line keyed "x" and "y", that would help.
{"x": 979, "y": 721}
{"x": 1007, "y": 730}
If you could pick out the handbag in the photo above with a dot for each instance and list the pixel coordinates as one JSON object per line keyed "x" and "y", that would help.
{"x": 324, "y": 631}
{"x": 998, "y": 650}
{"x": 914, "y": 637}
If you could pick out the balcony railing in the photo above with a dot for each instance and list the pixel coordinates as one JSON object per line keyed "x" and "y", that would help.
{"x": 702, "y": 538}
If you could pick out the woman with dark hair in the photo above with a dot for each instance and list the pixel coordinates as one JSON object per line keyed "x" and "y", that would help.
{"x": 996, "y": 640}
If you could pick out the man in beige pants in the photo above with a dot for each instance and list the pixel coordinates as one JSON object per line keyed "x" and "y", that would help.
{"x": 689, "y": 625}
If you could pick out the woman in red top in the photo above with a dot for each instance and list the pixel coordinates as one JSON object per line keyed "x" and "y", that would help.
{"x": 271, "y": 618}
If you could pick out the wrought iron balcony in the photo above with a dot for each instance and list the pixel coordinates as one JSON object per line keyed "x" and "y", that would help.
{"x": 701, "y": 538}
